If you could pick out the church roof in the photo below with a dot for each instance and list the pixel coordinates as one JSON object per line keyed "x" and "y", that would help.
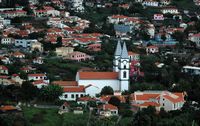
{"x": 124, "y": 54}
{"x": 118, "y": 50}
{"x": 98, "y": 75}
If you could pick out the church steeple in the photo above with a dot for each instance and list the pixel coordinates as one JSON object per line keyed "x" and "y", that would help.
{"x": 124, "y": 54}
{"x": 124, "y": 65}
{"x": 118, "y": 50}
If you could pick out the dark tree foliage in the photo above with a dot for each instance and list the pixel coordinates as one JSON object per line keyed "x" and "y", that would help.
{"x": 114, "y": 101}
{"x": 107, "y": 90}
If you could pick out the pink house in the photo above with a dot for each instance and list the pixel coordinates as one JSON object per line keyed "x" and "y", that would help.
{"x": 94, "y": 47}
{"x": 78, "y": 56}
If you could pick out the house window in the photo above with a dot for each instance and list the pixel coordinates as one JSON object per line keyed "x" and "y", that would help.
{"x": 163, "y": 104}
{"x": 72, "y": 96}
{"x": 81, "y": 95}
{"x": 66, "y": 96}
{"x": 124, "y": 74}
{"x": 76, "y": 95}
{"x": 124, "y": 66}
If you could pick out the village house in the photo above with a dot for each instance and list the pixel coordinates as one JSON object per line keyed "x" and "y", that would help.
{"x": 40, "y": 13}
{"x": 152, "y": 49}
{"x": 38, "y": 60}
{"x": 191, "y": 70}
{"x": 5, "y": 80}
{"x": 158, "y": 17}
{"x": 165, "y": 2}
{"x": 64, "y": 51}
{"x": 159, "y": 99}
{"x": 84, "y": 100}
{"x": 18, "y": 55}
{"x": 40, "y": 83}
{"x": 65, "y": 108}
{"x": 3, "y": 69}
{"x": 78, "y": 56}
{"x": 77, "y": 5}
{"x": 14, "y": 13}
{"x": 115, "y": 19}
{"x": 72, "y": 90}
{"x": 94, "y": 47}
{"x": 150, "y": 3}
{"x": 7, "y": 40}
{"x": 5, "y": 60}
{"x": 51, "y": 11}
{"x": 17, "y": 79}
{"x": 36, "y": 77}
{"x": 24, "y": 42}
{"x": 37, "y": 46}
{"x": 169, "y": 9}
{"x": 195, "y": 38}
{"x": 25, "y": 69}
{"x": 107, "y": 110}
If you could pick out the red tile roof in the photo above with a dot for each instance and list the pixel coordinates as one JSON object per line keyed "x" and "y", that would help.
{"x": 37, "y": 82}
{"x": 4, "y": 77}
{"x": 150, "y": 104}
{"x": 36, "y": 75}
{"x": 65, "y": 83}
{"x": 86, "y": 99}
{"x": 108, "y": 107}
{"x": 8, "y": 108}
{"x": 98, "y": 75}
{"x": 174, "y": 99}
{"x": 2, "y": 67}
{"x": 74, "y": 89}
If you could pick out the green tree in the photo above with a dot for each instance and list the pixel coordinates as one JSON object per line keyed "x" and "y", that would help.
{"x": 107, "y": 90}
{"x": 114, "y": 101}
{"x": 51, "y": 92}
{"x": 28, "y": 91}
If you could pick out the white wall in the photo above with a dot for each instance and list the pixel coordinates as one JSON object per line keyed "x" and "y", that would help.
{"x": 24, "y": 42}
{"x": 100, "y": 84}
{"x": 69, "y": 96}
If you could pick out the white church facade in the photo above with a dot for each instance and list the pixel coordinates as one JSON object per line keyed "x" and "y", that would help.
{"x": 91, "y": 83}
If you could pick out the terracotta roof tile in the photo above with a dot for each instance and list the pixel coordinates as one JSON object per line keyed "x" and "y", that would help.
{"x": 74, "y": 89}
{"x": 65, "y": 83}
{"x": 98, "y": 75}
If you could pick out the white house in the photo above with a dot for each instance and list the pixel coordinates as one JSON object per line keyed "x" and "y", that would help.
{"x": 191, "y": 70}
{"x": 160, "y": 99}
{"x": 18, "y": 55}
{"x": 152, "y": 49}
{"x": 115, "y": 19}
{"x": 169, "y": 9}
{"x": 38, "y": 60}
{"x": 150, "y": 3}
{"x": 3, "y": 69}
{"x": 24, "y": 42}
{"x": 107, "y": 110}
{"x": 77, "y": 5}
{"x": 5, "y": 60}
{"x": 72, "y": 91}
{"x": 36, "y": 77}
{"x": 158, "y": 17}
{"x": 195, "y": 38}
{"x": 40, "y": 83}
{"x": 7, "y": 40}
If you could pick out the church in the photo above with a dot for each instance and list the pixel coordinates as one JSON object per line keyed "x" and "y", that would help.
{"x": 91, "y": 83}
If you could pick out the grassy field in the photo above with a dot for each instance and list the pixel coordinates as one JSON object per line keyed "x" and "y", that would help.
{"x": 50, "y": 117}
